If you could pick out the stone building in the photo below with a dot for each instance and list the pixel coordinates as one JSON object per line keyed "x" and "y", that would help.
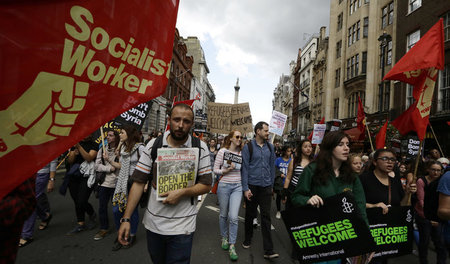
{"x": 319, "y": 79}
{"x": 282, "y": 102}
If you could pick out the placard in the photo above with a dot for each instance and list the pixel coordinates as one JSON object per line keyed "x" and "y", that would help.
{"x": 318, "y": 133}
{"x": 333, "y": 231}
{"x": 277, "y": 123}
{"x": 392, "y": 232}
{"x": 222, "y": 118}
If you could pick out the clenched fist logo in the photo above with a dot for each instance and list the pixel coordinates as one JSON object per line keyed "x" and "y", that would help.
{"x": 48, "y": 109}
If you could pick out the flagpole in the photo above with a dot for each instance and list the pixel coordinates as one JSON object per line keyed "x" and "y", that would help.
{"x": 435, "y": 138}
{"x": 370, "y": 137}
{"x": 103, "y": 140}
{"x": 416, "y": 166}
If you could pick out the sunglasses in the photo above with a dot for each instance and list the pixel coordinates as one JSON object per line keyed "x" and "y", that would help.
{"x": 238, "y": 137}
{"x": 388, "y": 159}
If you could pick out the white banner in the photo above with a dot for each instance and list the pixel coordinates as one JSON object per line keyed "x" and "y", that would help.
{"x": 318, "y": 133}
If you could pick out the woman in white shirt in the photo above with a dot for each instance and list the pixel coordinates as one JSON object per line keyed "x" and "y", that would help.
{"x": 229, "y": 192}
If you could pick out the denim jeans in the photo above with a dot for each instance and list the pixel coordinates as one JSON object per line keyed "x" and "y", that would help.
{"x": 168, "y": 249}
{"x": 42, "y": 205}
{"x": 427, "y": 231}
{"x": 262, "y": 196}
{"x": 105, "y": 195}
{"x": 230, "y": 197}
{"x": 134, "y": 220}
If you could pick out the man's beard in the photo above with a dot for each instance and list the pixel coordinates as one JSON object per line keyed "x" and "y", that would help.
{"x": 183, "y": 137}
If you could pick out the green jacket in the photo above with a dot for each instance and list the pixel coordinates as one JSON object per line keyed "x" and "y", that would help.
{"x": 306, "y": 188}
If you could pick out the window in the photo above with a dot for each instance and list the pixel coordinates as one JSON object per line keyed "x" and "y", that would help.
{"x": 354, "y": 4}
{"x": 338, "y": 49}
{"x": 384, "y": 12}
{"x": 357, "y": 30}
{"x": 353, "y": 33}
{"x": 413, "y": 5}
{"x": 409, "y": 95}
{"x": 364, "y": 62}
{"x": 444, "y": 90}
{"x": 366, "y": 1}
{"x": 387, "y": 95}
{"x": 336, "y": 108}
{"x": 389, "y": 53}
{"x": 366, "y": 27}
{"x": 446, "y": 18}
{"x": 391, "y": 13}
{"x": 340, "y": 20}
{"x": 337, "y": 78}
{"x": 352, "y": 106}
{"x": 352, "y": 66}
{"x": 411, "y": 39}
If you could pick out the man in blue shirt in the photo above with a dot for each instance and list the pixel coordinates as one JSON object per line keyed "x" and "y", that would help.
{"x": 258, "y": 175}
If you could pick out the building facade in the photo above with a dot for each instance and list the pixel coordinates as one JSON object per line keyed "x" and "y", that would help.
{"x": 178, "y": 87}
{"x": 319, "y": 79}
{"x": 282, "y": 102}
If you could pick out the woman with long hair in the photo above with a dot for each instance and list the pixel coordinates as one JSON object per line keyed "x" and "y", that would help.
{"x": 328, "y": 175}
{"x": 229, "y": 192}
{"x": 301, "y": 160}
{"x": 429, "y": 229}
{"x": 381, "y": 189}
{"x": 130, "y": 151}
{"x": 107, "y": 185}
{"x": 281, "y": 170}
{"x": 85, "y": 150}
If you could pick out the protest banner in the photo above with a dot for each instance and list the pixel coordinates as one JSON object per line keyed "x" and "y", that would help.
{"x": 176, "y": 169}
{"x": 68, "y": 67}
{"x": 232, "y": 158}
{"x": 392, "y": 232}
{"x": 222, "y": 118}
{"x": 135, "y": 116}
{"x": 277, "y": 123}
{"x": 318, "y": 133}
{"x": 333, "y": 231}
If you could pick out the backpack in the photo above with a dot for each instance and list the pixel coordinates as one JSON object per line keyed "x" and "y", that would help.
{"x": 431, "y": 201}
{"x": 250, "y": 149}
{"x": 195, "y": 142}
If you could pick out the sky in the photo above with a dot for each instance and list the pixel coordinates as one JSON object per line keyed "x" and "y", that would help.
{"x": 253, "y": 40}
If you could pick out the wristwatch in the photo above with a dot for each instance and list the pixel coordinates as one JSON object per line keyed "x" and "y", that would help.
{"x": 52, "y": 179}
{"x": 123, "y": 220}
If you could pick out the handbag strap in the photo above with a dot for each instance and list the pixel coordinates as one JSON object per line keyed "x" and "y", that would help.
{"x": 389, "y": 195}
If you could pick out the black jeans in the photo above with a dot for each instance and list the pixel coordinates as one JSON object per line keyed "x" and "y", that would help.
{"x": 427, "y": 231}
{"x": 80, "y": 192}
{"x": 262, "y": 196}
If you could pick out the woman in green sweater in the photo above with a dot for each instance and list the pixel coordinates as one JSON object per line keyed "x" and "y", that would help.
{"x": 329, "y": 175}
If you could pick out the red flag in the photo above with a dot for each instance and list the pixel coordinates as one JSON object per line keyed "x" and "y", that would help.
{"x": 69, "y": 67}
{"x": 322, "y": 121}
{"x": 380, "y": 139}
{"x": 419, "y": 68}
{"x": 361, "y": 118}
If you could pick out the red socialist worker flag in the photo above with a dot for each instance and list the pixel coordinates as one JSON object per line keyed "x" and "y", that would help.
{"x": 419, "y": 67}
{"x": 380, "y": 139}
{"x": 68, "y": 67}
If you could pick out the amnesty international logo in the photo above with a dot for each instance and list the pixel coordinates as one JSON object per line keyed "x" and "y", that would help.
{"x": 346, "y": 206}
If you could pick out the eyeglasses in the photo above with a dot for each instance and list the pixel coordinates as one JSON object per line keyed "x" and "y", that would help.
{"x": 435, "y": 170}
{"x": 238, "y": 137}
{"x": 388, "y": 159}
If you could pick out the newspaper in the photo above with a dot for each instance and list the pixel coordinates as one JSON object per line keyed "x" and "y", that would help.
{"x": 176, "y": 169}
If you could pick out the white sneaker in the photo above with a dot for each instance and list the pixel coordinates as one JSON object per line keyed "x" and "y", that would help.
{"x": 278, "y": 215}
{"x": 255, "y": 222}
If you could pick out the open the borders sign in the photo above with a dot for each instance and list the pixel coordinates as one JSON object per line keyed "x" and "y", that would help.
{"x": 335, "y": 230}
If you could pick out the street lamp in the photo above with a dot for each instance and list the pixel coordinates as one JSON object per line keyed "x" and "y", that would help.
{"x": 384, "y": 41}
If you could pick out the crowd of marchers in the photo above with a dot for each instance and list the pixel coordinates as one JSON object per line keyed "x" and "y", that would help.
{"x": 243, "y": 173}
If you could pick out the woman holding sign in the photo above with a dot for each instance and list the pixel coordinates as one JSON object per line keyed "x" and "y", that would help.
{"x": 229, "y": 192}
{"x": 130, "y": 151}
